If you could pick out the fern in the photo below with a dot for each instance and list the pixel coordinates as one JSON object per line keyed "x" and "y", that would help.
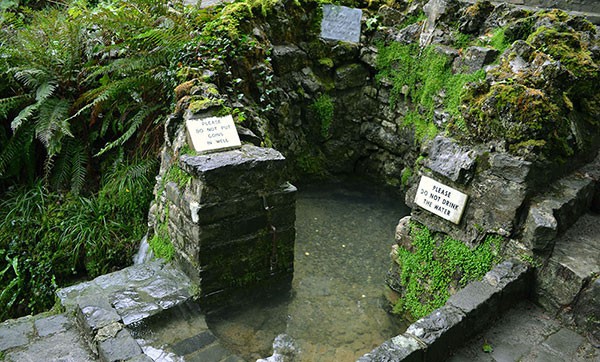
{"x": 14, "y": 150}
{"x": 135, "y": 122}
{"x": 52, "y": 124}
{"x": 11, "y": 103}
{"x": 79, "y": 160}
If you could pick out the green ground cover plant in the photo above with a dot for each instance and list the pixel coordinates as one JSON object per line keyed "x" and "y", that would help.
{"x": 437, "y": 266}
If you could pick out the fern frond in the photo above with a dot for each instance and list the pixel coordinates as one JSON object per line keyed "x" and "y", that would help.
{"x": 58, "y": 169}
{"x": 135, "y": 122}
{"x": 52, "y": 124}
{"x": 16, "y": 145}
{"x": 29, "y": 77}
{"x": 44, "y": 91}
{"x": 78, "y": 158}
{"x": 23, "y": 116}
{"x": 10, "y": 103}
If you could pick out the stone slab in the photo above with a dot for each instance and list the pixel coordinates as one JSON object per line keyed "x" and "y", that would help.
{"x": 247, "y": 156}
{"x": 67, "y": 346}
{"x": 341, "y": 23}
{"x": 440, "y": 330}
{"x": 52, "y": 325}
{"x": 119, "y": 348}
{"x": 14, "y": 333}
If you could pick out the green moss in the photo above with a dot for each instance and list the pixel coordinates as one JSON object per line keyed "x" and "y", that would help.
{"x": 524, "y": 117}
{"x": 436, "y": 267}
{"x": 426, "y": 78}
{"x": 160, "y": 242}
{"x": 405, "y": 177}
{"x": 177, "y": 175}
{"x": 187, "y": 150}
{"x": 202, "y": 104}
{"x": 499, "y": 41}
{"x": 462, "y": 40}
{"x": 311, "y": 164}
{"x": 413, "y": 19}
{"x": 327, "y": 62}
{"x": 424, "y": 129}
{"x": 566, "y": 47}
{"x": 324, "y": 109}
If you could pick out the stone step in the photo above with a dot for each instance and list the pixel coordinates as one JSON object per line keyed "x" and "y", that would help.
{"x": 43, "y": 337}
{"x": 568, "y": 285}
{"x": 554, "y": 211}
{"x": 108, "y": 304}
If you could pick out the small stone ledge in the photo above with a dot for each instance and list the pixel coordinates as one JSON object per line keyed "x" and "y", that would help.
{"x": 555, "y": 211}
{"x": 465, "y": 314}
{"x": 111, "y": 302}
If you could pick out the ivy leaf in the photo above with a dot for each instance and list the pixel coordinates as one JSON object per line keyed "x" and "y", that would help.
{"x": 487, "y": 348}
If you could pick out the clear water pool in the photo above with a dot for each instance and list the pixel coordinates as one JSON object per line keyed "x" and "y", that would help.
{"x": 335, "y": 311}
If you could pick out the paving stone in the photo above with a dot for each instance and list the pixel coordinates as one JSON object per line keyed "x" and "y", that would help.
{"x": 120, "y": 348}
{"x": 194, "y": 343}
{"x": 565, "y": 342}
{"x": 213, "y": 353}
{"x": 15, "y": 333}
{"x": 526, "y": 334}
{"x": 513, "y": 351}
{"x": 66, "y": 346}
{"x": 52, "y": 325}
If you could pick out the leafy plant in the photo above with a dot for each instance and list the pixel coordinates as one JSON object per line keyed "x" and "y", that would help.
{"x": 435, "y": 267}
{"x": 84, "y": 82}
{"x": 324, "y": 109}
{"x": 48, "y": 239}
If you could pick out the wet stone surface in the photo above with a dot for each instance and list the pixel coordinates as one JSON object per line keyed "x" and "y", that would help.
{"x": 526, "y": 333}
{"x": 43, "y": 338}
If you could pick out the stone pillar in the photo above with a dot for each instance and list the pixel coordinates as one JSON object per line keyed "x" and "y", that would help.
{"x": 232, "y": 222}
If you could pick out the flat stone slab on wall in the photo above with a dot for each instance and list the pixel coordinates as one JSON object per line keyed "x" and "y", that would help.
{"x": 466, "y": 313}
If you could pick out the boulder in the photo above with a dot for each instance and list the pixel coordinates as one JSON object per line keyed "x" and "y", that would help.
{"x": 474, "y": 59}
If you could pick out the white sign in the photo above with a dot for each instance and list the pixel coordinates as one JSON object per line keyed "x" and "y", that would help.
{"x": 341, "y": 23}
{"x": 440, "y": 199}
{"x": 213, "y": 133}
